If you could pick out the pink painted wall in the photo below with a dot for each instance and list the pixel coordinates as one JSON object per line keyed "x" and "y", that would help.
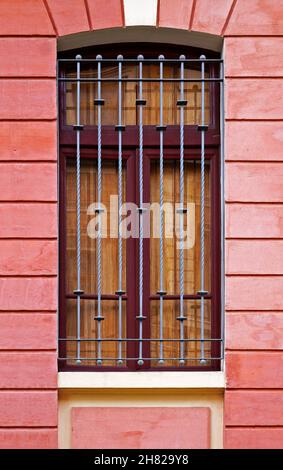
{"x": 254, "y": 209}
{"x": 140, "y": 428}
{"x": 254, "y": 229}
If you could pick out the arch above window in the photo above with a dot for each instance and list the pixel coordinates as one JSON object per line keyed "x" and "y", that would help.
{"x": 135, "y": 34}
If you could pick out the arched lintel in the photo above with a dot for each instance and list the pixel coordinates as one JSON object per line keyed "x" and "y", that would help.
{"x": 141, "y": 34}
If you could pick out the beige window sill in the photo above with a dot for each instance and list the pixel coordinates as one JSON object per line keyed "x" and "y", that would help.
{"x": 141, "y": 380}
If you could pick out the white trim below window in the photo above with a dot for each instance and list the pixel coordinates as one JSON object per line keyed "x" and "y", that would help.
{"x": 141, "y": 380}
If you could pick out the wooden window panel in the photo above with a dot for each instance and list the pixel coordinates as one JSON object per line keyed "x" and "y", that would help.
{"x": 88, "y": 259}
{"x": 88, "y": 244}
{"x": 171, "y": 253}
{"x": 109, "y": 91}
{"x": 171, "y": 327}
{"x": 110, "y": 252}
{"x": 171, "y": 330}
{"x": 109, "y": 349}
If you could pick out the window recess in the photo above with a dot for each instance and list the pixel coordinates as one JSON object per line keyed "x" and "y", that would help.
{"x": 140, "y": 213}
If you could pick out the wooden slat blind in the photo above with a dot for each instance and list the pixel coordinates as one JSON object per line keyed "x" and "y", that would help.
{"x": 110, "y": 260}
{"x": 192, "y": 115}
{"x": 88, "y": 258}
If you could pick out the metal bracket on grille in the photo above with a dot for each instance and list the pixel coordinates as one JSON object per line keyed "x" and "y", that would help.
{"x": 98, "y": 102}
{"x": 202, "y": 128}
{"x": 182, "y": 102}
{"x": 140, "y": 102}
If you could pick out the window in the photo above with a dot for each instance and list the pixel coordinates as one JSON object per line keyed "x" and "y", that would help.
{"x": 139, "y": 211}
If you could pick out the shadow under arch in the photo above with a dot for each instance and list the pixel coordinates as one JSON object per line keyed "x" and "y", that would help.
{"x": 144, "y": 34}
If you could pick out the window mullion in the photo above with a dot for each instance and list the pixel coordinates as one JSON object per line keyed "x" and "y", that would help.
{"x": 161, "y": 128}
{"x": 98, "y": 211}
{"x": 78, "y": 128}
{"x": 140, "y": 103}
{"x": 181, "y": 103}
{"x": 120, "y": 128}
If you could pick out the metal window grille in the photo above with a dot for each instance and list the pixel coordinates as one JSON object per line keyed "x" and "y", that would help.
{"x": 120, "y": 295}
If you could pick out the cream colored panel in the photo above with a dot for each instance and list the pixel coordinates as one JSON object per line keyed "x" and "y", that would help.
{"x": 71, "y": 398}
{"x": 140, "y": 12}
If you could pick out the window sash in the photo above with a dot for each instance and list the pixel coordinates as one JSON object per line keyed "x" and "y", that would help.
{"x": 150, "y": 298}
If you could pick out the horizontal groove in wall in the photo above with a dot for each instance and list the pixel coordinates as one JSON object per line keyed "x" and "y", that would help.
{"x": 27, "y": 77}
{"x": 28, "y": 351}
{"x": 27, "y": 311}
{"x": 27, "y": 390}
{"x": 35, "y": 162}
{"x": 254, "y": 77}
{"x": 258, "y": 352}
{"x": 20, "y": 201}
{"x": 29, "y": 238}
{"x": 27, "y": 427}
{"x": 254, "y": 203}
{"x": 244, "y": 275}
{"x": 251, "y": 310}
{"x": 42, "y": 312}
{"x": 243, "y": 36}
{"x": 244, "y": 351}
{"x": 28, "y": 36}
{"x": 44, "y": 352}
{"x": 256, "y": 426}
{"x": 255, "y": 162}
{"x": 20, "y": 276}
{"x": 253, "y": 120}
{"x": 28, "y": 202}
{"x": 248, "y": 160}
{"x": 253, "y": 238}
{"x": 257, "y": 390}
{"x": 28, "y": 120}
{"x": 244, "y": 202}
{"x": 259, "y": 311}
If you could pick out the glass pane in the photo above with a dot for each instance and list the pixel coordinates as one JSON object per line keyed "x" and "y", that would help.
{"x": 171, "y": 331}
{"x": 171, "y": 241}
{"x": 109, "y": 92}
{"x": 109, "y": 242}
{"x": 109, "y": 330}
{"x": 193, "y": 96}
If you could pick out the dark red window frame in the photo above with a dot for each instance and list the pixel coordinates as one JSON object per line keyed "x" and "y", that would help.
{"x": 67, "y": 142}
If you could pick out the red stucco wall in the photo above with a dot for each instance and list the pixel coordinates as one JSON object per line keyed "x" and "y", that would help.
{"x": 114, "y": 427}
{"x": 254, "y": 210}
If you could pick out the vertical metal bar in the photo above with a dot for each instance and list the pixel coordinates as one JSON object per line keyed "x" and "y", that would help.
{"x": 99, "y": 177}
{"x": 140, "y": 102}
{"x": 78, "y": 127}
{"x": 202, "y": 128}
{"x": 181, "y": 102}
{"x": 161, "y": 129}
{"x": 120, "y": 292}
